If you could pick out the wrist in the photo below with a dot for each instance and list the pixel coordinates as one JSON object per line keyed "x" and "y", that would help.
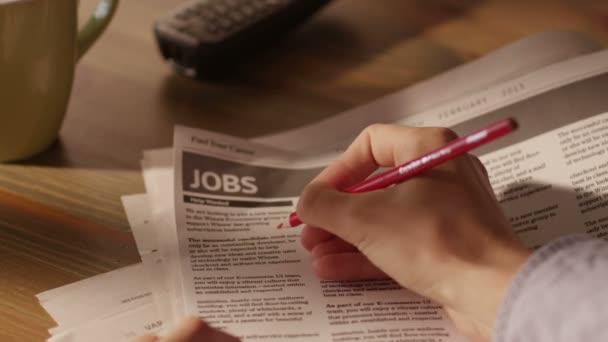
{"x": 475, "y": 290}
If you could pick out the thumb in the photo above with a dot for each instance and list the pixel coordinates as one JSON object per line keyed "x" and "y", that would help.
{"x": 320, "y": 205}
{"x": 195, "y": 330}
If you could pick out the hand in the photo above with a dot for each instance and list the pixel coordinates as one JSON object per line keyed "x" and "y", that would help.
{"x": 441, "y": 234}
{"x": 192, "y": 330}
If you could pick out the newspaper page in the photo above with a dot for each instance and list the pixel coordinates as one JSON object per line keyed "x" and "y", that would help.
{"x": 549, "y": 175}
{"x": 144, "y": 228}
{"x": 555, "y": 184}
{"x": 509, "y": 62}
{"x": 123, "y": 326}
{"x": 113, "y": 306}
{"x": 120, "y": 290}
{"x": 157, "y": 169}
{"x": 240, "y": 273}
{"x": 117, "y": 305}
{"x": 243, "y": 275}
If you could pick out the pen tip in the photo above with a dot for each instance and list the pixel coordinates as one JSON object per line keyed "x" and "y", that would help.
{"x": 514, "y": 124}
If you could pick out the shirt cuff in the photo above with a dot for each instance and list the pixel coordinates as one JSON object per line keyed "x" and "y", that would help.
{"x": 523, "y": 277}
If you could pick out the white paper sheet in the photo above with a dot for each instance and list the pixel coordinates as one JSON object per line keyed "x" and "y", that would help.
{"x": 101, "y": 295}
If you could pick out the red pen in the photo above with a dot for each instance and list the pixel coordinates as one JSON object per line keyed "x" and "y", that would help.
{"x": 412, "y": 168}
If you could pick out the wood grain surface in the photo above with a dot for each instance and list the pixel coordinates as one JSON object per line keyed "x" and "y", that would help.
{"x": 60, "y": 213}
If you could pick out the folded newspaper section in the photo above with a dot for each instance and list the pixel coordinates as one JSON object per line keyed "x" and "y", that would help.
{"x": 243, "y": 275}
{"x": 510, "y": 62}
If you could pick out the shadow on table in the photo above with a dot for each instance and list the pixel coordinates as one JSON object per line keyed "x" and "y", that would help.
{"x": 54, "y": 155}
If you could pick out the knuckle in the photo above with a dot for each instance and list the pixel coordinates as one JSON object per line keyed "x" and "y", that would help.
{"x": 443, "y": 134}
{"x": 419, "y": 141}
{"x": 374, "y": 130}
{"x": 307, "y": 201}
{"x": 376, "y": 127}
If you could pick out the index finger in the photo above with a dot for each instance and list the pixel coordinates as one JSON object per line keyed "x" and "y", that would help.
{"x": 382, "y": 145}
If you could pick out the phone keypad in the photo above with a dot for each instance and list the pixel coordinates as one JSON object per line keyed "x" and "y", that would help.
{"x": 213, "y": 20}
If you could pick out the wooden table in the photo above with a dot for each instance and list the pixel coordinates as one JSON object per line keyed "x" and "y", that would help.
{"x": 60, "y": 214}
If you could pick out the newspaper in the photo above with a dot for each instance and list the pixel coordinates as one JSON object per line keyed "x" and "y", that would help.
{"x": 243, "y": 275}
{"x": 120, "y": 290}
{"x": 209, "y": 216}
{"x": 113, "y": 306}
{"x": 547, "y": 48}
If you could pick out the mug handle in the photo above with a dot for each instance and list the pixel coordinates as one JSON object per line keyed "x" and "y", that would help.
{"x": 97, "y": 24}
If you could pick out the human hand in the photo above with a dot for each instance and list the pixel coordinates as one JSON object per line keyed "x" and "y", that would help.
{"x": 441, "y": 234}
{"x": 191, "y": 330}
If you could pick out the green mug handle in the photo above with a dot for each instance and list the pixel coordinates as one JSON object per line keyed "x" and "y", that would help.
{"x": 97, "y": 24}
